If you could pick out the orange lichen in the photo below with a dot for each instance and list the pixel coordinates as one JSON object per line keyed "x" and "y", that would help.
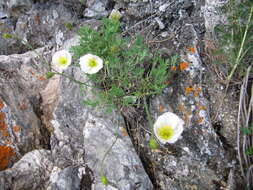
{"x": 5, "y": 133}
{"x": 30, "y": 71}
{"x": 183, "y": 66}
{"x": 197, "y": 91}
{"x": 189, "y": 90}
{"x": 200, "y": 106}
{"x": 6, "y": 154}
{"x": 192, "y": 49}
{"x": 200, "y": 120}
{"x": 42, "y": 78}
{"x": 3, "y": 125}
{"x": 173, "y": 68}
{"x": 2, "y": 117}
{"x": 161, "y": 108}
{"x": 1, "y": 104}
{"x": 17, "y": 128}
{"x": 181, "y": 108}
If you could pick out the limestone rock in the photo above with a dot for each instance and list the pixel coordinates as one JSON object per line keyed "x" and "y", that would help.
{"x": 31, "y": 172}
{"x": 21, "y": 79}
{"x": 96, "y": 9}
{"x": 79, "y": 135}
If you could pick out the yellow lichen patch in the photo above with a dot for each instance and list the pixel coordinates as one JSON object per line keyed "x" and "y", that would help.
{"x": 200, "y": 106}
{"x": 6, "y": 153}
{"x": 192, "y": 50}
{"x": 183, "y": 66}
{"x": 1, "y": 104}
{"x": 189, "y": 90}
{"x": 124, "y": 131}
{"x": 16, "y": 128}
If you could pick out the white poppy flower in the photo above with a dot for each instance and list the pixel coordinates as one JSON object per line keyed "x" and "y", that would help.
{"x": 115, "y": 15}
{"x": 61, "y": 59}
{"x": 168, "y": 128}
{"x": 91, "y": 64}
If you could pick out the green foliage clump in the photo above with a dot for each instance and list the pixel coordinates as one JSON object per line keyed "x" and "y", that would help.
{"x": 235, "y": 37}
{"x": 131, "y": 71}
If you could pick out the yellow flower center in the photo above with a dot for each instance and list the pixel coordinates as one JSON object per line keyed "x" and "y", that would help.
{"x": 92, "y": 62}
{"x": 166, "y": 132}
{"x": 63, "y": 60}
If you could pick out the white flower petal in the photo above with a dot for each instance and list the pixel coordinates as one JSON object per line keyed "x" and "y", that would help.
{"x": 86, "y": 68}
{"x": 59, "y": 56}
{"x": 172, "y": 120}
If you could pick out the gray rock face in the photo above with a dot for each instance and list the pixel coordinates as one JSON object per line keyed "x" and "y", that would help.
{"x": 43, "y": 24}
{"x": 96, "y": 9}
{"x": 21, "y": 79}
{"x": 80, "y": 136}
{"x": 50, "y": 140}
{"x": 31, "y": 172}
{"x": 200, "y": 149}
{"x": 12, "y": 4}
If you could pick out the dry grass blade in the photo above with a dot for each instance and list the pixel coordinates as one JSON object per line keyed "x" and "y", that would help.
{"x": 244, "y": 140}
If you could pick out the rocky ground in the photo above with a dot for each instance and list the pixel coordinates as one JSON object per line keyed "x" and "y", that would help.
{"x": 49, "y": 140}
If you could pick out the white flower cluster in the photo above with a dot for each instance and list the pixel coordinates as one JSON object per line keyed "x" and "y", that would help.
{"x": 167, "y": 128}
{"x": 89, "y": 63}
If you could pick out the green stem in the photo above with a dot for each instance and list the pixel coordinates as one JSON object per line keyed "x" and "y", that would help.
{"x": 71, "y": 78}
{"x": 237, "y": 62}
{"x": 107, "y": 152}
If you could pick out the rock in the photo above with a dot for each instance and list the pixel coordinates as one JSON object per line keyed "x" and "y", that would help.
{"x": 31, "y": 172}
{"x": 92, "y": 133}
{"x": 67, "y": 178}
{"x": 45, "y": 130}
{"x": 7, "y": 25}
{"x": 160, "y": 23}
{"x": 199, "y": 160}
{"x": 96, "y": 9}
{"x": 18, "y": 7}
{"x": 19, "y": 3}
{"x": 44, "y": 24}
{"x": 79, "y": 135}
{"x": 21, "y": 79}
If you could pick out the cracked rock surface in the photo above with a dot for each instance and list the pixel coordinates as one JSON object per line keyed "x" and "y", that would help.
{"x": 50, "y": 140}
